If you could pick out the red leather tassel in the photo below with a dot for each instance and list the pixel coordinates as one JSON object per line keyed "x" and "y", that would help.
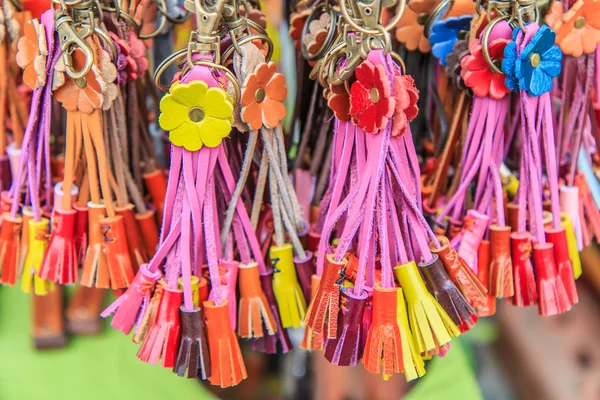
{"x": 313, "y": 241}
{"x": 137, "y": 252}
{"x": 149, "y": 230}
{"x": 525, "y": 287}
{"x": 558, "y": 238}
{"x": 156, "y": 183}
{"x": 454, "y": 228}
{"x": 552, "y": 296}
{"x": 60, "y": 260}
{"x": 193, "y": 356}
{"x": 325, "y": 305}
{"x": 5, "y": 175}
{"x": 305, "y": 270}
{"x": 513, "y": 216}
{"x": 10, "y": 238}
{"x": 128, "y": 309}
{"x": 254, "y": 309}
{"x": 501, "y": 274}
{"x": 312, "y": 340}
{"x": 226, "y": 362}
{"x": 444, "y": 291}
{"x": 347, "y": 348}
{"x": 81, "y": 233}
{"x": 268, "y": 343}
{"x": 163, "y": 336}
{"x": 383, "y": 346}
{"x": 461, "y": 274}
{"x": 483, "y": 274}
{"x": 117, "y": 253}
{"x": 148, "y": 314}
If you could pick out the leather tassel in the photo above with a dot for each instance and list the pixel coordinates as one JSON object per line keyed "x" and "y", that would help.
{"x": 10, "y": 241}
{"x": 290, "y": 299}
{"x": 325, "y": 306}
{"x": 148, "y": 314}
{"x": 447, "y": 295}
{"x": 431, "y": 325}
{"x": 347, "y": 347}
{"x": 268, "y": 343}
{"x": 60, "y": 261}
{"x": 117, "y": 254}
{"x": 254, "y": 309}
{"x": 383, "y": 351}
{"x": 128, "y": 308}
{"x": 313, "y": 241}
{"x": 137, "y": 252}
{"x": 226, "y": 362}
{"x": 558, "y": 238}
{"x": 83, "y": 311}
{"x": 483, "y": 274}
{"x": 95, "y": 268}
{"x": 565, "y": 222}
{"x": 48, "y": 329}
{"x": 5, "y": 175}
{"x": 501, "y": 271}
{"x": 149, "y": 231}
{"x": 513, "y": 216}
{"x": 193, "y": 356}
{"x": 27, "y": 215}
{"x": 474, "y": 228}
{"x": 461, "y": 274}
{"x": 81, "y": 233}
{"x": 312, "y": 340}
{"x": 38, "y": 239}
{"x": 229, "y": 274}
{"x": 163, "y": 336}
{"x": 569, "y": 204}
{"x": 552, "y": 296}
{"x": 525, "y": 286}
{"x": 305, "y": 270}
{"x": 156, "y": 183}
{"x": 413, "y": 363}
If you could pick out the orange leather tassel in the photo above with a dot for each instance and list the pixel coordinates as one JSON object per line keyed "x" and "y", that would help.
{"x": 156, "y": 183}
{"x": 149, "y": 231}
{"x": 10, "y": 240}
{"x": 137, "y": 252}
{"x": 483, "y": 274}
{"x": 325, "y": 305}
{"x": 95, "y": 268}
{"x": 383, "y": 346}
{"x": 253, "y": 309}
{"x": 226, "y": 362}
{"x": 117, "y": 255}
{"x": 501, "y": 270}
{"x": 461, "y": 274}
{"x": 312, "y": 340}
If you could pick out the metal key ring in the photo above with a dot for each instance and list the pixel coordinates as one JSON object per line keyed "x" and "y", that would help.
{"x": 264, "y": 38}
{"x": 161, "y": 25}
{"x": 160, "y": 70}
{"x": 434, "y": 16}
{"x": 368, "y": 31}
{"x": 330, "y": 33}
{"x": 230, "y": 76}
{"x": 485, "y": 43}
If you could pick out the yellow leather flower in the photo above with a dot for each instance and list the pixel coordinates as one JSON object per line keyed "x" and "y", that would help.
{"x": 196, "y": 115}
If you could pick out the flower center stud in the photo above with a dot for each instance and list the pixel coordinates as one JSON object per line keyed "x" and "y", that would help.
{"x": 196, "y": 114}
{"x": 535, "y": 60}
{"x": 374, "y": 94}
{"x": 81, "y": 83}
{"x": 422, "y": 18}
{"x": 260, "y": 95}
{"x": 579, "y": 22}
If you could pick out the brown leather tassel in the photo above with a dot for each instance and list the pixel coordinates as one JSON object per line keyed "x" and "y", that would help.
{"x": 135, "y": 246}
{"x": 47, "y": 323}
{"x": 193, "y": 356}
{"x": 227, "y": 365}
{"x": 501, "y": 271}
{"x": 149, "y": 231}
{"x": 10, "y": 240}
{"x": 83, "y": 312}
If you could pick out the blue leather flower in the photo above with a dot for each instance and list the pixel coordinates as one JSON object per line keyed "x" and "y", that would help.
{"x": 444, "y": 33}
{"x": 533, "y": 69}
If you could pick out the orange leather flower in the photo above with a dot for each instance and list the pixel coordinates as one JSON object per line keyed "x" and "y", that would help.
{"x": 578, "y": 31}
{"x": 297, "y": 21}
{"x": 85, "y": 94}
{"x": 410, "y": 28}
{"x": 317, "y": 33}
{"x": 262, "y": 97}
{"x": 32, "y": 54}
{"x": 407, "y": 96}
{"x": 338, "y": 100}
{"x": 554, "y": 15}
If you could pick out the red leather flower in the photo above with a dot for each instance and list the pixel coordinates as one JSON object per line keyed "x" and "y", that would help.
{"x": 477, "y": 74}
{"x": 407, "y": 96}
{"x": 371, "y": 104}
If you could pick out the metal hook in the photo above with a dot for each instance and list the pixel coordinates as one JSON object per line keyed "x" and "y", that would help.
{"x": 69, "y": 39}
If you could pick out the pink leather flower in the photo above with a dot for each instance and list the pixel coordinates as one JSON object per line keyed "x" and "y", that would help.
{"x": 407, "y": 96}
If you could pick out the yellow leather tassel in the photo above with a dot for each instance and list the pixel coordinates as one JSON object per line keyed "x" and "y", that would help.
{"x": 38, "y": 239}
{"x": 430, "y": 324}
{"x": 567, "y": 223}
{"x": 414, "y": 366}
{"x": 290, "y": 299}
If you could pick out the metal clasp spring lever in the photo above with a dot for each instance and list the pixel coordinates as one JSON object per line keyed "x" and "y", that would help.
{"x": 70, "y": 38}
